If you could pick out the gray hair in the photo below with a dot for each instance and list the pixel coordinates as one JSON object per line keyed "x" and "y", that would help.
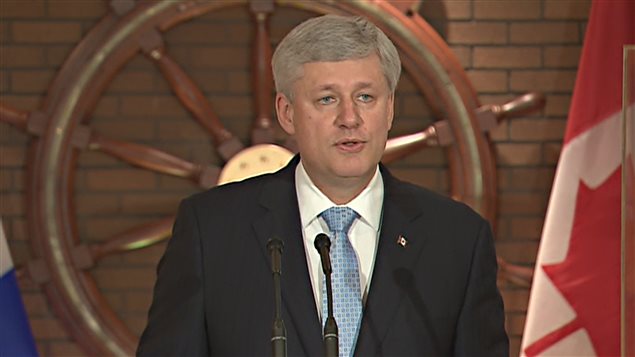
{"x": 332, "y": 38}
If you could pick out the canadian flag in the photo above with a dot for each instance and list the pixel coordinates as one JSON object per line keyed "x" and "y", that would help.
{"x": 574, "y": 306}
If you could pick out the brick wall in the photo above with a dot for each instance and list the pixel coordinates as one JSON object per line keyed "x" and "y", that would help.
{"x": 506, "y": 47}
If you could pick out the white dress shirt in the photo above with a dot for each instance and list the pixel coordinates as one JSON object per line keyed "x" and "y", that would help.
{"x": 363, "y": 235}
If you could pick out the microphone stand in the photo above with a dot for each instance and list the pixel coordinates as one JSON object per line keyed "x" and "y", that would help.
{"x": 278, "y": 330}
{"x": 331, "y": 338}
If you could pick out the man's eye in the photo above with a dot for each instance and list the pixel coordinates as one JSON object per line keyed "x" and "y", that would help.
{"x": 365, "y": 97}
{"x": 326, "y": 100}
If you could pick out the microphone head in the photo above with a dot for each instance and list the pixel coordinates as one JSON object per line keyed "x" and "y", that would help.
{"x": 275, "y": 244}
{"x": 322, "y": 241}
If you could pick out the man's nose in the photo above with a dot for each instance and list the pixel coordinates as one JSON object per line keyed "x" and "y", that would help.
{"x": 349, "y": 115}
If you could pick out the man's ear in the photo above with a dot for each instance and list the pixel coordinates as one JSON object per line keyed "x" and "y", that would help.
{"x": 284, "y": 111}
{"x": 391, "y": 110}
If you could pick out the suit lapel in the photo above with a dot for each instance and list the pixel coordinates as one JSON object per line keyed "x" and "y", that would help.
{"x": 393, "y": 264}
{"x": 282, "y": 219}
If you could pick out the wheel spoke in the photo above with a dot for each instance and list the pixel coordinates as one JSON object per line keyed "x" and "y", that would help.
{"x": 516, "y": 274}
{"x": 85, "y": 256}
{"x": 436, "y": 134}
{"x": 154, "y": 159}
{"x": 262, "y": 130}
{"x": 489, "y": 116}
{"x": 190, "y": 95}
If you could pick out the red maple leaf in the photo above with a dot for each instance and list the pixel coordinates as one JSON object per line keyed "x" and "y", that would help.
{"x": 589, "y": 277}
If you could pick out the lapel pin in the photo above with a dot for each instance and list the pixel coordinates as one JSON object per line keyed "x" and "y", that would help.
{"x": 402, "y": 241}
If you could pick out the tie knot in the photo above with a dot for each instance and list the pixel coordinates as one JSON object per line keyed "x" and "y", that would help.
{"x": 339, "y": 219}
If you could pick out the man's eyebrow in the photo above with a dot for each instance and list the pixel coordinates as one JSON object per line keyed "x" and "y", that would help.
{"x": 329, "y": 86}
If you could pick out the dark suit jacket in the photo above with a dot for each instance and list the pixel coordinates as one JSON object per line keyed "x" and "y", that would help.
{"x": 436, "y": 296}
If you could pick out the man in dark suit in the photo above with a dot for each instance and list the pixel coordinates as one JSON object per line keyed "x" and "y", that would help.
{"x": 420, "y": 269}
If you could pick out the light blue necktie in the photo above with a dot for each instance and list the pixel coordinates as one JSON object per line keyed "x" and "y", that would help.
{"x": 347, "y": 301}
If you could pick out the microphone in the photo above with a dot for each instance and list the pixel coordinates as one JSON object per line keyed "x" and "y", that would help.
{"x": 331, "y": 339}
{"x": 278, "y": 331}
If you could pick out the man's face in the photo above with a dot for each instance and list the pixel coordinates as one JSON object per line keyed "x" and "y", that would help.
{"x": 340, "y": 117}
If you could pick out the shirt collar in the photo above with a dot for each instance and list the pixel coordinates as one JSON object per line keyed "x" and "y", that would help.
{"x": 312, "y": 202}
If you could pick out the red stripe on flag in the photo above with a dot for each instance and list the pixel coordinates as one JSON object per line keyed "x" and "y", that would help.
{"x": 598, "y": 87}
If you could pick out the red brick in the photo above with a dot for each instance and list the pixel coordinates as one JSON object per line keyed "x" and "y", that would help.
{"x": 19, "y": 180}
{"x": 522, "y": 203}
{"x": 507, "y": 10}
{"x": 427, "y": 157}
{"x": 55, "y": 55}
{"x": 21, "y": 56}
{"x": 463, "y": 54}
{"x": 414, "y": 106}
{"x": 22, "y": 9}
{"x": 488, "y": 80}
{"x": 551, "y": 153}
{"x": 518, "y": 252}
{"x": 545, "y": 81}
{"x": 11, "y": 204}
{"x": 120, "y": 179}
{"x": 516, "y": 154}
{"x": 126, "y": 130}
{"x": 457, "y": 9}
{"x": 211, "y": 33}
{"x": 514, "y": 346}
{"x": 562, "y": 56}
{"x": 537, "y": 129}
{"x": 501, "y": 132}
{"x": 88, "y": 159}
{"x": 138, "y": 301}
{"x": 184, "y": 129}
{"x": 232, "y": 106}
{"x": 515, "y": 324}
{"x": 212, "y": 57}
{"x": 152, "y": 106}
{"x": 132, "y": 82}
{"x": 534, "y": 179}
{"x": 46, "y": 32}
{"x": 106, "y": 106}
{"x": 515, "y": 300}
{"x": 150, "y": 203}
{"x": 128, "y": 278}
{"x": 429, "y": 178}
{"x": 539, "y": 33}
{"x": 12, "y": 156}
{"x": 567, "y": 9}
{"x": 4, "y": 31}
{"x": 77, "y": 9}
{"x": 64, "y": 349}
{"x": 115, "y": 299}
{"x": 216, "y": 82}
{"x": 35, "y": 304}
{"x": 136, "y": 323}
{"x": 19, "y": 229}
{"x": 88, "y": 203}
{"x": 240, "y": 83}
{"x": 4, "y": 82}
{"x": 557, "y": 105}
{"x": 47, "y": 328}
{"x": 32, "y": 81}
{"x": 477, "y": 33}
{"x": 526, "y": 228}
{"x": 6, "y": 180}
{"x": 98, "y": 229}
{"x": 507, "y": 57}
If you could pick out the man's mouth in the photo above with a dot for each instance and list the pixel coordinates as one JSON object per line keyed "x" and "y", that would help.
{"x": 350, "y": 145}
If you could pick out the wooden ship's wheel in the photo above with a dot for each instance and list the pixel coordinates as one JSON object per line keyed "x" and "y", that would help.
{"x": 61, "y": 130}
